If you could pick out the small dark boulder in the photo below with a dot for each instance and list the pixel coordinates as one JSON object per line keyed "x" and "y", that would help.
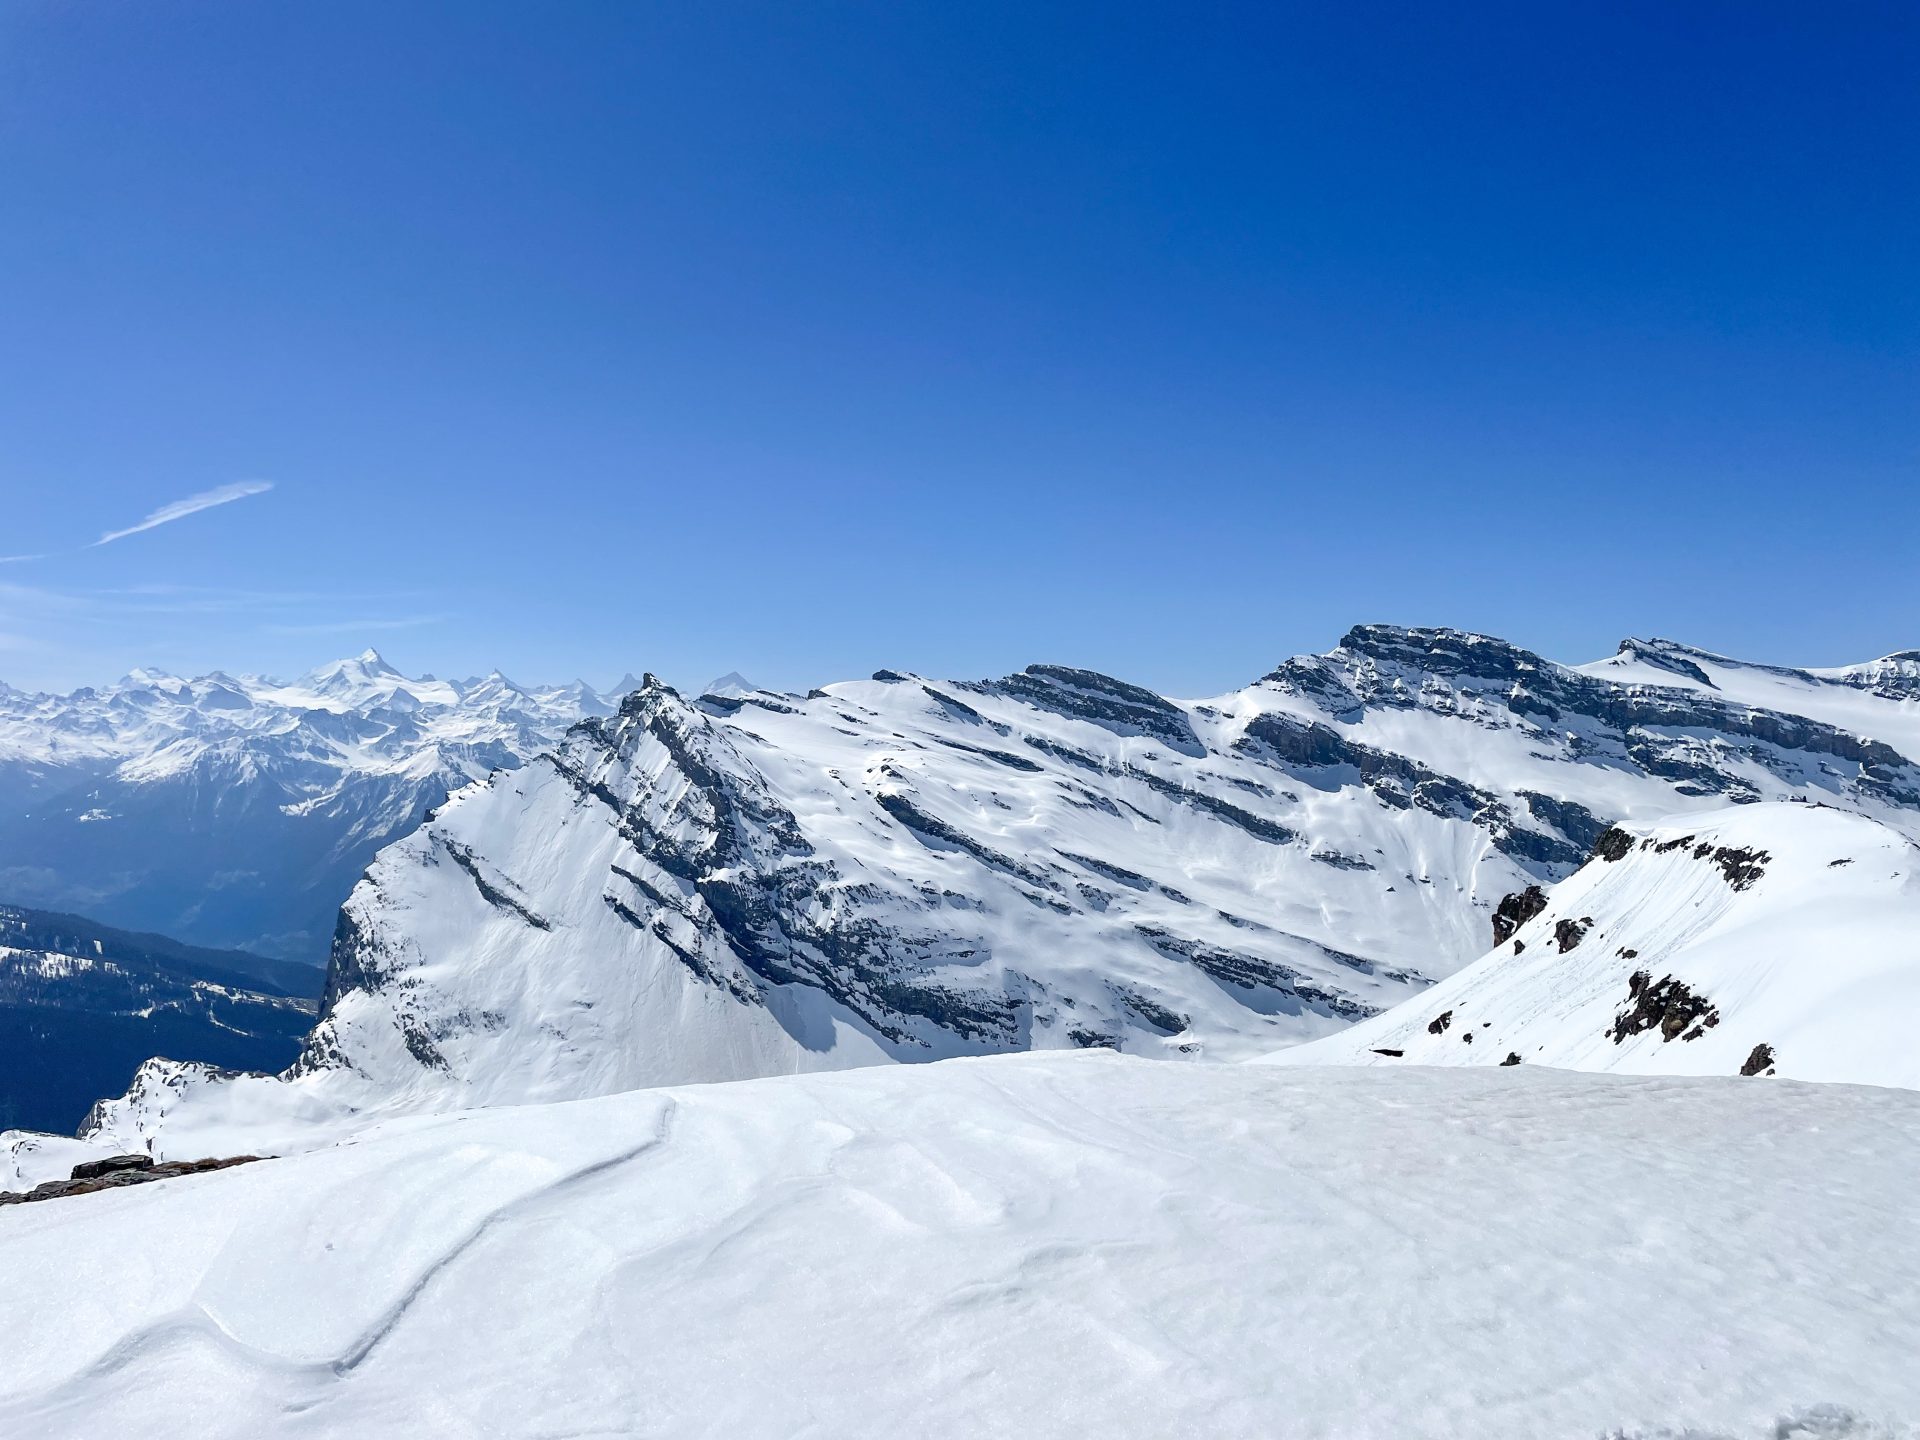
{"x": 1741, "y": 867}
{"x": 1513, "y": 1058}
{"x": 1382, "y": 1050}
{"x": 1438, "y": 1025}
{"x": 1667, "y": 1006}
{"x": 1516, "y": 910}
{"x": 1614, "y": 844}
{"x": 1569, "y": 933}
{"x": 1761, "y": 1060}
{"x": 115, "y": 1177}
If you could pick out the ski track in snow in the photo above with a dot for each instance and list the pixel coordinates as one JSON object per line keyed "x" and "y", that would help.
{"x": 1058, "y": 1244}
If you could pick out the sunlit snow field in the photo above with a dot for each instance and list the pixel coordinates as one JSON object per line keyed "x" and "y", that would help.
{"x": 1047, "y": 1245}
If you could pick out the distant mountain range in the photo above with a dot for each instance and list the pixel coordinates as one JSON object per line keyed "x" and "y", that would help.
{"x": 238, "y": 811}
{"x": 901, "y": 868}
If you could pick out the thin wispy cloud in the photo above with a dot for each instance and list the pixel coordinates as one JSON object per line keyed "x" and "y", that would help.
{"x": 165, "y": 515}
{"x": 192, "y": 505}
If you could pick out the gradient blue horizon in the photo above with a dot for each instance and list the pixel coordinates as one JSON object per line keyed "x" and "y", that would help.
{"x": 805, "y": 340}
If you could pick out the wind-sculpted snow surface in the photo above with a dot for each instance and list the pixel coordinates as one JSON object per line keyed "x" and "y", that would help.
{"x": 1049, "y": 1245}
{"x": 1760, "y": 940}
{"x": 238, "y": 811}
{"x": 903, "y": 869}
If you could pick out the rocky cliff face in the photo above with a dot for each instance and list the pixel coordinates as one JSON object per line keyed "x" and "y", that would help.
{"x": 905, "y": 869}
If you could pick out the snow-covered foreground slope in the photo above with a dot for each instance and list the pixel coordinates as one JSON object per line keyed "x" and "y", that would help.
{"x": 1082, "y": 1244}
{"x": 1764, "y": 939}
{"x": 239, "y": 810}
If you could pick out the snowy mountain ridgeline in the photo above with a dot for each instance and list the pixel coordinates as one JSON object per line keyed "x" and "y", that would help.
{"x": 905, "y": 869}
{"x": 238, "y": 811}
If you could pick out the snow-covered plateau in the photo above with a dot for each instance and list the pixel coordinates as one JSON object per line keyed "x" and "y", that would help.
{"x": 1049, "y": 1245}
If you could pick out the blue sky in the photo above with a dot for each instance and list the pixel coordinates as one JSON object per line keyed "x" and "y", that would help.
{"x": 803, "y": 340}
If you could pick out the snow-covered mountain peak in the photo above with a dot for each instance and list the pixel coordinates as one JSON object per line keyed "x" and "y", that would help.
{"x": 1893, "y": 677}
{"x": 142, "y": 677}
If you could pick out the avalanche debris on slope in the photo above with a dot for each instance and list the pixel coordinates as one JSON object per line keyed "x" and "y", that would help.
{"x": 1044, "y": 1245}
{"x": 1761, "y": 940}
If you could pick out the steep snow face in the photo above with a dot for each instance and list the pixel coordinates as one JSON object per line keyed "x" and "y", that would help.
{"x": 900, "y": 869}
{"x": 239, "y": 811}
{"x": 1764, "y": 940}
{"x": 1027, "y": 1245}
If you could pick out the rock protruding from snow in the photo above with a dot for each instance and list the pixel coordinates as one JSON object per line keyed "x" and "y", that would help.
{"x": 1763, "y": 940}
